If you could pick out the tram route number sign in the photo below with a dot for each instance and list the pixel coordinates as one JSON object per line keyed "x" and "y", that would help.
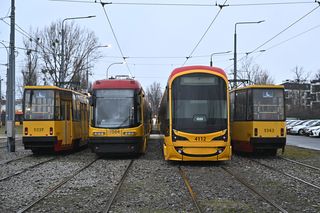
{"x": 200, "y": 139}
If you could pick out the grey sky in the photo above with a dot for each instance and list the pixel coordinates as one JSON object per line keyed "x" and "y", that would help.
{"x": 173, "y": 31}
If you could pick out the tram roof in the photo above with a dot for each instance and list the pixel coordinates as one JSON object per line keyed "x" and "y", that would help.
{"x": 261, "y": 86}
{"x": 52, "y": 87}
{"x": 197, "y": 67}
{"x": 116, "y": 84}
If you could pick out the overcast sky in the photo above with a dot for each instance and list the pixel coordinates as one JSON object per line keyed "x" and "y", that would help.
{"x": 174, "y": 31}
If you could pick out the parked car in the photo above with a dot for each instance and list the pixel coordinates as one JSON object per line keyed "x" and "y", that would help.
{"x": 315, "y": 132}
{"x": 313, "y": 126}
{"x": 291, "y": 124}
{"x": 298, "y": 129}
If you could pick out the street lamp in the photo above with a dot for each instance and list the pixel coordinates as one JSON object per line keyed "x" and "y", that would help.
{"x": 235, "y": 49}
{"x": 218, "y": 53}
{"x": 87, "y": 72}
{"x": 113, "y": 64}
{"x": 61, "y": 77}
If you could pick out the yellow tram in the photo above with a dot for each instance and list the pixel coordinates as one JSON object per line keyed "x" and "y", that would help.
{"x": 120, "y": 117}
{"x": 194, "y": 115}
{"x": 54, "y": 118}
{"x": 258, "y": 118}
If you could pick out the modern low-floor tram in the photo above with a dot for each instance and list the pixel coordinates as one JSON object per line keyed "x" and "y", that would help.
{"x": 120, "y": 117}
{"x": 194, "y": 115}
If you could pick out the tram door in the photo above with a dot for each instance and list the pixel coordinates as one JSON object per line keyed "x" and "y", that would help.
{"x": 66, "y": 110}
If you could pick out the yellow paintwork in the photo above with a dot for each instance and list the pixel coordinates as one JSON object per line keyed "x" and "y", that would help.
{"x": 193, "y": 147}
{"x": 66, "y": 131}
{"x": 105, "y": 132}
{"x": 244, "y": 130}
{"x": 42, "y": 129}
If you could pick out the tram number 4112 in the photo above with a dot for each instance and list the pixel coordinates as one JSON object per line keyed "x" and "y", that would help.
{"x": 200, "y": 139}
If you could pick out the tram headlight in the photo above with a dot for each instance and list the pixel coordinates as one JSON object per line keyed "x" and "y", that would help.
{"x": 129, "y": 133}
{"x": 98, "y": 133}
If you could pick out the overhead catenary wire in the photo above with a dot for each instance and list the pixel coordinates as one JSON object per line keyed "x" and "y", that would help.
{"x": 189, "y": 4}
{"x": 114, "y": 35}
{"x": 276, "y": 35}
{"x": 204, "y": 34}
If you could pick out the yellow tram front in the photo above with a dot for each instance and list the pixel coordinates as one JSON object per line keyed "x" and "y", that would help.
{"x": 258, "y": 118}
{"x": 55, "y": 119}
{"x": 194, "y": 115}
{"x": 120, "y": 121}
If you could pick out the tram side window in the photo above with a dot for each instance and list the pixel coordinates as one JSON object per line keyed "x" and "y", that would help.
{"x": 240, "y": 106}
{"x": 232, "y": 105}
{"x": 57, "y": 110}
{"x": 249, "y": 105}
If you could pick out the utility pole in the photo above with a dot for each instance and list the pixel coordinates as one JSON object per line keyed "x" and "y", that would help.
{"x": 10, "y": 105}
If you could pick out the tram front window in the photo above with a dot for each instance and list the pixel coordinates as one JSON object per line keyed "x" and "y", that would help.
{"x": 199, "y": 104}
{"x": 39, "y": 105}
{"x": 268, "y": 104}
{"x": 114, "y": 108}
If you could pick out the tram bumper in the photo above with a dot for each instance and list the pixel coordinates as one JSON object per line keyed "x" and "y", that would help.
{"x": 39, "y": 142}
{"x": 268, "y": 143}
{"x": 116, "y": 145}
{"x": 185, "y": 153}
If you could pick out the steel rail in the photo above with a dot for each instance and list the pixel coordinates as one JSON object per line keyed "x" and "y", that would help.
{"x": 193, "y": 195}
{"x": 252, "y": 188}
{"x": 25, "y": 169}
{"x": 29, "y": 206}
{"x": 286, "y": 174}
{"x": 299, "y": 163}
{"x": 117, "y": 188}
{"x": 15, "y": 159}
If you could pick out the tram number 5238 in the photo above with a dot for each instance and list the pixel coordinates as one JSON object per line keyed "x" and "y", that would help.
{"x": 199, "y": 139}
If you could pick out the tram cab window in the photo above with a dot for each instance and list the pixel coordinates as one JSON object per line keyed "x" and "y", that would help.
{"x": 39, "y": 105}
{"x": 268, "y": 104}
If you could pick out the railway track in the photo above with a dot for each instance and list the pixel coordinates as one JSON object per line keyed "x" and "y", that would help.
{"x": 188, "y": 185}
{"x": 286, "y": 174}
{"x": 299, "y": 163}
{"x": 50, "y": 191}
{"x": 117, "y": 188}
{"x": 25, "y": 169}
{"x": 254, "y": 190}
{"x": 15, "y": 159}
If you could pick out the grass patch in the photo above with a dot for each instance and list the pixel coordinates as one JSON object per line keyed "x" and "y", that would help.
{"x": 300, "y": 153}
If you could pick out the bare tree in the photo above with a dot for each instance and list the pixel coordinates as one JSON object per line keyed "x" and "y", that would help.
{"x": 80, "y": 52}
{"x": 154, "y": 95}
{"x": 299, "y": 74}
{"x": 30, "y": 70}
{"x": 252, "y": 73}
{"x": 317, "y": 75}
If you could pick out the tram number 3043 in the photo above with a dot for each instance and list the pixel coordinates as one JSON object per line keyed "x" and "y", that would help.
{"x": 200, "y": 139}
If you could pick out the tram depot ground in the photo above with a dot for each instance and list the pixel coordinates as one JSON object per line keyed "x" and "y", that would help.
{"x": 154, "y": 185}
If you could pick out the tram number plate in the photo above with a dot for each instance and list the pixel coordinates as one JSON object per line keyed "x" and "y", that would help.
{"x": 199, "y": 139}
{"x": 269, "y": 130}
{"x": 38, "y": 129}
{"x": 114, "y": 132}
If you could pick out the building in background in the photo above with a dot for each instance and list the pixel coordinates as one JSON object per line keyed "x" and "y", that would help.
{"x": 302, "y": 99}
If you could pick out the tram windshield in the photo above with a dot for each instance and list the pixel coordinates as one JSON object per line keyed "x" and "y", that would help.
{"x": 114, "y": 108}
{"x": 267, "y": 104}
{"x": 39, "y": 105}
{"x": 199, "y": 103}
